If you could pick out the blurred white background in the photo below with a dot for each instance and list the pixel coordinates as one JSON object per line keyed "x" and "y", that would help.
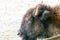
{"x": 11, "y": 13}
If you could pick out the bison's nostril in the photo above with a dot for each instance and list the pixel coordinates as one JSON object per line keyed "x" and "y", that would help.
{"x": 18, "y": 33}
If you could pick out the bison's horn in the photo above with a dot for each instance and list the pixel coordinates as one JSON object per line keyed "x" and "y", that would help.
{"x": 36, "y": 13}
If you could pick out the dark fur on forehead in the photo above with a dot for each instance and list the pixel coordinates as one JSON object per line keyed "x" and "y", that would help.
{"x": 40, "y": 7}
{"x": 30, "y": 10}
{"x": 43, "y": 6}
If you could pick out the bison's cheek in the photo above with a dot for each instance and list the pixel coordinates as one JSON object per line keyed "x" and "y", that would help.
{"x": 36, "y": 30}
{"x": 53, "y": 30}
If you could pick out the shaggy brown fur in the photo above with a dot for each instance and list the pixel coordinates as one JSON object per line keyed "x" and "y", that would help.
{"x": 54, "y": 26}
{"x": 45, "y": 24}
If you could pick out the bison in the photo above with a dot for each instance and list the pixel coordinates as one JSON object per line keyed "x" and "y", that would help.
{"x": 41, "y": 22}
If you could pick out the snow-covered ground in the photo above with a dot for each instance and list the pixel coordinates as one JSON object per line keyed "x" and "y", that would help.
{"x": 11, "y": 13}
